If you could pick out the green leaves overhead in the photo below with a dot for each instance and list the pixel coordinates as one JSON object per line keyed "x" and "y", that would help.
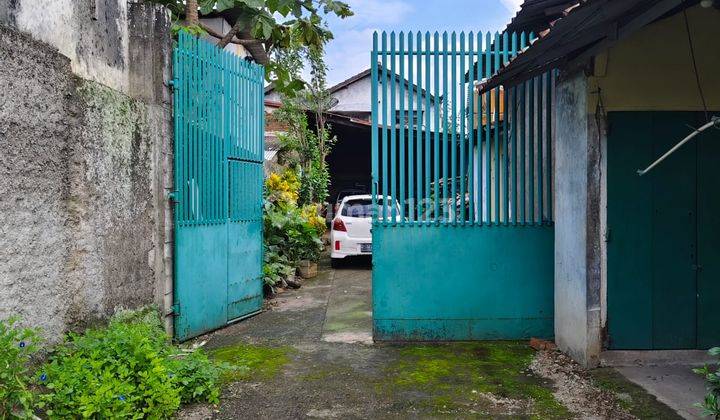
{"x": 279, "y": 24}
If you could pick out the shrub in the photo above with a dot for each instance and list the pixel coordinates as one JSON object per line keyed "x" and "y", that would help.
{"x": 17, "y": 346}
{"x": 127, "y": 369}
{"x": 711, "y": 404}
{"x": 291, "y": 233}
{"x": 276, "y": 267}
{"x": 282, "y": 188}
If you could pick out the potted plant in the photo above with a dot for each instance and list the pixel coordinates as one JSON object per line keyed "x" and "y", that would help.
{"x": 310, "y": 243}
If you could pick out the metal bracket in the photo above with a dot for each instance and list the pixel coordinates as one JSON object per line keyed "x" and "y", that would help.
{"x": 175, "y": 309}
{"x": 172, "y": 196}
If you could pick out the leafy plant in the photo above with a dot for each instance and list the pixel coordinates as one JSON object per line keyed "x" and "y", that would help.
{"x": 198, "y": 377}
{"x": 128, "y": 369}
{"x": 711, "y": 404}
{"x": 17, "y": 346}
{"x": 302, "y": 146}
{"x": 275, "y": 25}
{"x": 277, "y": 267}
{"x": 291, "y": 233}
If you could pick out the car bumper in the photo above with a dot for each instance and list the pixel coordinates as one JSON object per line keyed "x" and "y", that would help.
{"x": 348, "y": 246}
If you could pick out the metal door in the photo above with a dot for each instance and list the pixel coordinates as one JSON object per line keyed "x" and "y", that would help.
{"x": 663, "y": 234}
{"x": 219, "y": 124}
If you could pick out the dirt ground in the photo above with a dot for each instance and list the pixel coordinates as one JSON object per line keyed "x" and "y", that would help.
{"x": 310, "y": 355}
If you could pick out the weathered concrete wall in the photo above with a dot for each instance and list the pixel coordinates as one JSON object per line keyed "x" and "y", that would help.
{"x": 84, "y": 225}
{"x": 577, "y": 203}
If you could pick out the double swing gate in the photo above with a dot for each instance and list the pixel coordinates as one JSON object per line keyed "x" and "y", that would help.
{"x": 219, "y": 134}
{"x": 467, "y": 252}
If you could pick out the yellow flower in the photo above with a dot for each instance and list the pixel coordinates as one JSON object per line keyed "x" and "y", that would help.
{"x": 283, "y": 187}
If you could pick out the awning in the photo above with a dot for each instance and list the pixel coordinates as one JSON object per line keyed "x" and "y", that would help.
{"x": 588, "y": 29}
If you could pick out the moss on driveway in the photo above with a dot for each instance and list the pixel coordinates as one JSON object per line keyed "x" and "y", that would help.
{"x": 303, "y": 359}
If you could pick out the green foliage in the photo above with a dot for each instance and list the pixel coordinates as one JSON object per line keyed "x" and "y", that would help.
{"x": 302, "y": 145}
{"x": 711, "y": 404}
{"x": 315, "y": 183}
{"x": 194, "y": 30}
{"x": 198, "y": 377}
{"x": 280, "y": 25}
{"x": 276, "y": 267}
{"x": 128, "y": 369}
{"x": 291, "y": 233}
{"x": 17, "y": 346}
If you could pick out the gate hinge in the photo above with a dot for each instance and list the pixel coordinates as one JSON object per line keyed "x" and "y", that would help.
{"x": 608, "y": 235}
{"x": 175, "y": 309}
{"x": 172, "y": 196}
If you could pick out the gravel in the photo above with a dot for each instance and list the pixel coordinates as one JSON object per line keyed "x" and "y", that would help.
{"x": 574, "y": 388}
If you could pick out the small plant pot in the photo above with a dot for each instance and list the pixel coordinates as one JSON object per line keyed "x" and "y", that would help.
{"x": 308, "y": 269}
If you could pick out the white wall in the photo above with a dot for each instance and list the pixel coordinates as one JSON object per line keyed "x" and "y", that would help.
{"x": 357, "y": 97}
{"x": 221, "y": 26}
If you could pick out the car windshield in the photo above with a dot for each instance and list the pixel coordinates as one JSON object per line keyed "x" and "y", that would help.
{"x": 345, "y": 193}
{"x": 360, "y": 207}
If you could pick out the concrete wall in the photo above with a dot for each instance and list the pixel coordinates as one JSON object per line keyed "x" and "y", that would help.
{"x": 577, "y": 275}
{"x": 652, "y": 70}
{"x": 86, "y": 132}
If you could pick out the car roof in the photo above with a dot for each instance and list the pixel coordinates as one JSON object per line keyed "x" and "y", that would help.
{"x": 357, "y": 197}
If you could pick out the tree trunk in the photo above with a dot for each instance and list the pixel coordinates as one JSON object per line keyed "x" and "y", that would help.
{"x": 191, "y": 12}
{"x": 231, "y": 34}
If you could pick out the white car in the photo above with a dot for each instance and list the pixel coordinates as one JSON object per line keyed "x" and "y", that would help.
{"x": 350, "y": 230}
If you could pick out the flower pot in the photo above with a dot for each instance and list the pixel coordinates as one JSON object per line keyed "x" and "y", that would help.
{"x": 308, "y": 269}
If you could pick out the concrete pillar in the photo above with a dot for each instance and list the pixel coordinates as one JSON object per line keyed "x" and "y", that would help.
{"x": 578, "y": 279}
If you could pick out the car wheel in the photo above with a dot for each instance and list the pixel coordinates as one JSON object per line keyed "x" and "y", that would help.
{"x": 336, "y": 262}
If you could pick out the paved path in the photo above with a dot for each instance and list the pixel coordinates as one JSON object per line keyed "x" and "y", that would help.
{"x": 676, "y": 386}
{"x": 310, "y": 355}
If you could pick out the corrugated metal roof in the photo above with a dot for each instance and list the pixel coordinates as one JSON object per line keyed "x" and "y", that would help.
{"x": 538, "y": 15}
{"x": 591, "y": 27}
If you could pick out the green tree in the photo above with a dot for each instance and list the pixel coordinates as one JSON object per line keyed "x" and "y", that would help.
{"x": 276, "y": 25}
{"x": 304, "y": 146}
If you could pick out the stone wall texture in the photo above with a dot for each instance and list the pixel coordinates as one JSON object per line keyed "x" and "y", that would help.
{"x": 83, "y": 172}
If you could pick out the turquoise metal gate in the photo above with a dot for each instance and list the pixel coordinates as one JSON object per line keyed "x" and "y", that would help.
{"x": 219, "y": 124}
{"x": 470, "y": 256}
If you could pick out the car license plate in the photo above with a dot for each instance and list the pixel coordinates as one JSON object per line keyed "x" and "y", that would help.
{"x": 365, "y": 247}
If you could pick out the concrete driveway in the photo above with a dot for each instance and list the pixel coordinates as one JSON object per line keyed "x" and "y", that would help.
{"x": 310, "y": 354}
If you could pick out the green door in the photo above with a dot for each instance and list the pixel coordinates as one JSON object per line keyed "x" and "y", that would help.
{"x": 218, "y": 110}
{"x": 660, "y": 233}
{"x": 708, "y": 211}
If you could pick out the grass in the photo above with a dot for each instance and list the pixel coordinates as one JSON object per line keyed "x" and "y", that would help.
{"x": 455, "y": 377}
{"x": 252, "y": 362}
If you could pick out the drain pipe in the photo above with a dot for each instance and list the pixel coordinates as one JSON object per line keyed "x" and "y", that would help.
{"x": 714, "y": 122}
